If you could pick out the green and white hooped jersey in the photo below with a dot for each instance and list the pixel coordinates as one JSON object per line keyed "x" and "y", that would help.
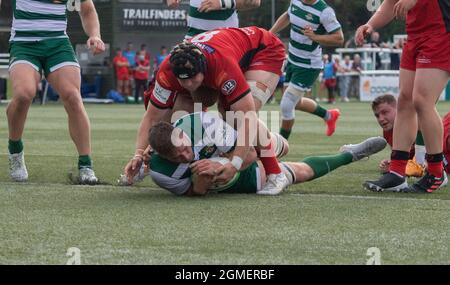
{"x": 37, "y": 20}
{"x": 302, "y": 51}
{"x": 210, "y": 136}
{"x": 201, "y": 22}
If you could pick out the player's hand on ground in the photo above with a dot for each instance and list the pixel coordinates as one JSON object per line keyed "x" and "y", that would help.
{"x": 384, "y": 165}
{"x": 209, "y": 5}
{"x": 133, "y": 166}
{"x": 173, "y": 3}
{"x": 205, "y": 167}
{"x": 96, "y": 45}
{"x": 225, "y": 173}
{"x": 361, "y": 33}
{"x": 402, "y": 7}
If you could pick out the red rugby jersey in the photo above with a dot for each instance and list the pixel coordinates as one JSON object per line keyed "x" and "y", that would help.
{"x": 428, "y": 17}
{"x": 228, "y": 55}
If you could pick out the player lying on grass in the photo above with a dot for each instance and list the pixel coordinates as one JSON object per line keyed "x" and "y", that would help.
{"x": 384, "y": 109}
{"x": 244, "y": 66}
{"x": 189, "y": 153}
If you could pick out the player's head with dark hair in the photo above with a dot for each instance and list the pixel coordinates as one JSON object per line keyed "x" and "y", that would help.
{"x": 170, "y": 143}
{"x": 188, "y": 64}
{"x": 386, "y": 98}
{"x": 384, "y": 109}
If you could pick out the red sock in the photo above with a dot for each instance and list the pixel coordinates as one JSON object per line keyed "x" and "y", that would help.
{"x": 269, "y": 160}
{"x": 398, "y": 166}
{"x": 435, "y": 166}
{"x": 435, "y": 169}
{"x": 399, "y": 160}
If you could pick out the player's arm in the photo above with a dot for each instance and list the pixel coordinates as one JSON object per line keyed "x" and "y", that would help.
{"x": 402, "y": 7}
{"x": 152, "y": 116}
{"x": 336, "y": 38}
{"x": 251, "y": 157}
{"x": 383, "y": 16}
{"x": 245, "y": 137}
{"x": 224, "y": 137}
{"x": 91, "y": 26}
{"x": 173, "y": 3}
{"x": 177, "y": 186}
{"x": 281, "y": 23}
{"x": 213, "y": 5}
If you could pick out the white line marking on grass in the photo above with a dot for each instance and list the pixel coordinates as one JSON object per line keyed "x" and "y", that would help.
{"x": 36, "y": 184}
{"x": 66, "y": 155}
{"x": 131, "y": 188}
{"x": 359, "y": 197}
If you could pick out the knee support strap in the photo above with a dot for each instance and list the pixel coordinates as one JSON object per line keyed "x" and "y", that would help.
{"x": 260, "y": 91}
{"x": 290, "y": 99}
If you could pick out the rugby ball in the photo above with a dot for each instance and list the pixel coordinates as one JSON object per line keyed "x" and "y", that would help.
{"x": 218, "y": 186}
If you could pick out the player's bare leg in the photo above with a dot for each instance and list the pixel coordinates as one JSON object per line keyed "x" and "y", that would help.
{"x": 262, "y": 85}
{"x": 428, "y": 86}
{"x": 24, "y": 80}
{"x": 314, "y": 167}
{"x": 66, "y": 81}
{"x": 405, "y": 132}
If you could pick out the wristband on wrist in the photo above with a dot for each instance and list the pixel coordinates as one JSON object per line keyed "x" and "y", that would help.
{"x": 237, "y": 162}
{"x": 227, "y": 4}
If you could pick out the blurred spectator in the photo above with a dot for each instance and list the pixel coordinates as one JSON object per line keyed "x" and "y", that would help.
{"x": 141, "y": 74}
{"x": 130, "y": 54}
{"x": 395, "y": 57}
{"x": 329, "y": 77}
{"x": 160, "y": 57}
{"x": 344, "y": 80}
{"x": 374, "y": 42}
{"x": 357, "y": 64}
{"x": 354, "y": 83}
{"x": 144, "y": 51}
{"x": 122, "y": 75}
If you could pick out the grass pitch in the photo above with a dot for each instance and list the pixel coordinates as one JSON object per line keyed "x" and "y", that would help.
{"x": 331, "y": 220}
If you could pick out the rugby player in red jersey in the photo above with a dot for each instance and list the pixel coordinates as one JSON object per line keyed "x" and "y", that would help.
{"x": 424, "y": 73}
{"x": 244, "y": 66}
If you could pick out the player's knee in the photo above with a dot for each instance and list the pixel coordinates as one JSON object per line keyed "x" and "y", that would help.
{"x": 420, "y": 103}
{"x": 287, "y": 110}
{"x": 290, "y": 99}
{"x": 72, "y": 99}
{"x": 23, "y": 94}
{"x": 260, "y": 92}
{"x": 404, "y": 97}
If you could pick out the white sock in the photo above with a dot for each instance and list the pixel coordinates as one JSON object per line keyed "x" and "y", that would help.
{"x": 420, "y": 154}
